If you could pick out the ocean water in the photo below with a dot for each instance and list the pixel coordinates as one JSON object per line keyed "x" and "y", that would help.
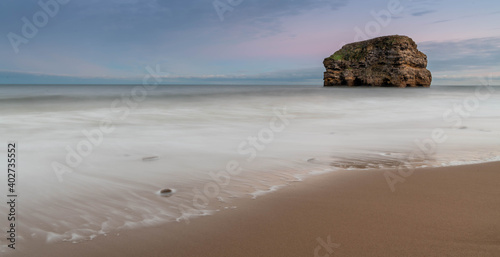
{"x": 93, "y": 158}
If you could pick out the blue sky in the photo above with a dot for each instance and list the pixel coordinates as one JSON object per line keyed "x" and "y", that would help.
{"x": 235, "y": 41}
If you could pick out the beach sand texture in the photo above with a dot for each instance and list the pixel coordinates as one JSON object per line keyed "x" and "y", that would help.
{"x": 448, "y": 211}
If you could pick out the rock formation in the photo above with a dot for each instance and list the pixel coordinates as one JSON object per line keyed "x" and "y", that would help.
{"x": 391, "y": 61}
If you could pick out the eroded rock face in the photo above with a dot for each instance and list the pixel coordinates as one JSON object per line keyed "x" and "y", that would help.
{"x": 391, "y": 61}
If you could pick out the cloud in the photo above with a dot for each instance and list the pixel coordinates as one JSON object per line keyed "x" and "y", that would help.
{"x": 466, "y": 17}
{"x": 180, "y": 14}
{"x": 145, "y": 23}
{"x": 475, "y": 53}
{"x": 441, "y": 21}
{"x": 464, "y": 59}
{"x": 422, "y": 13}
{"x": 419, "y": 8}
{"x": 122, "y": 36}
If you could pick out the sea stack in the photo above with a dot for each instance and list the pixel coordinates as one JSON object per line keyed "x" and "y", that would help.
{"x": 390, "y": 61}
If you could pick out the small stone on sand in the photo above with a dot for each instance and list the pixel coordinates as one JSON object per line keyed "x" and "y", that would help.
{"x": 166, "y": 192}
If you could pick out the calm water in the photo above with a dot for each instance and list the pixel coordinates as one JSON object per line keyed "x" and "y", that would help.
{"x": 92, "y": 159}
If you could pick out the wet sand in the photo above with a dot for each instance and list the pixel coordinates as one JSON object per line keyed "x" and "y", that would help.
{"x": 450, "y": 211}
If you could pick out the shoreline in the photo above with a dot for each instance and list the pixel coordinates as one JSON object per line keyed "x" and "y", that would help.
{"x": 445, "y": 211}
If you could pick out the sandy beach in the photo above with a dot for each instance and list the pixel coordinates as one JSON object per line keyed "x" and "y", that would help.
{"x": 449, "y": 211}
{"x": 237, "y": 128}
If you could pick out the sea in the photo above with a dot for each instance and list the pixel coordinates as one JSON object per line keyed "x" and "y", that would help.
{"x": 95, "y": 160}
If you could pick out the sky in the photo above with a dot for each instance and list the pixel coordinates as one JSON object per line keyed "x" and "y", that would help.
{"x": 235, "y": 41}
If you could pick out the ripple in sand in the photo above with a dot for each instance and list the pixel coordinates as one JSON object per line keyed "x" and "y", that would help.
{"x": 383, "y": 161}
